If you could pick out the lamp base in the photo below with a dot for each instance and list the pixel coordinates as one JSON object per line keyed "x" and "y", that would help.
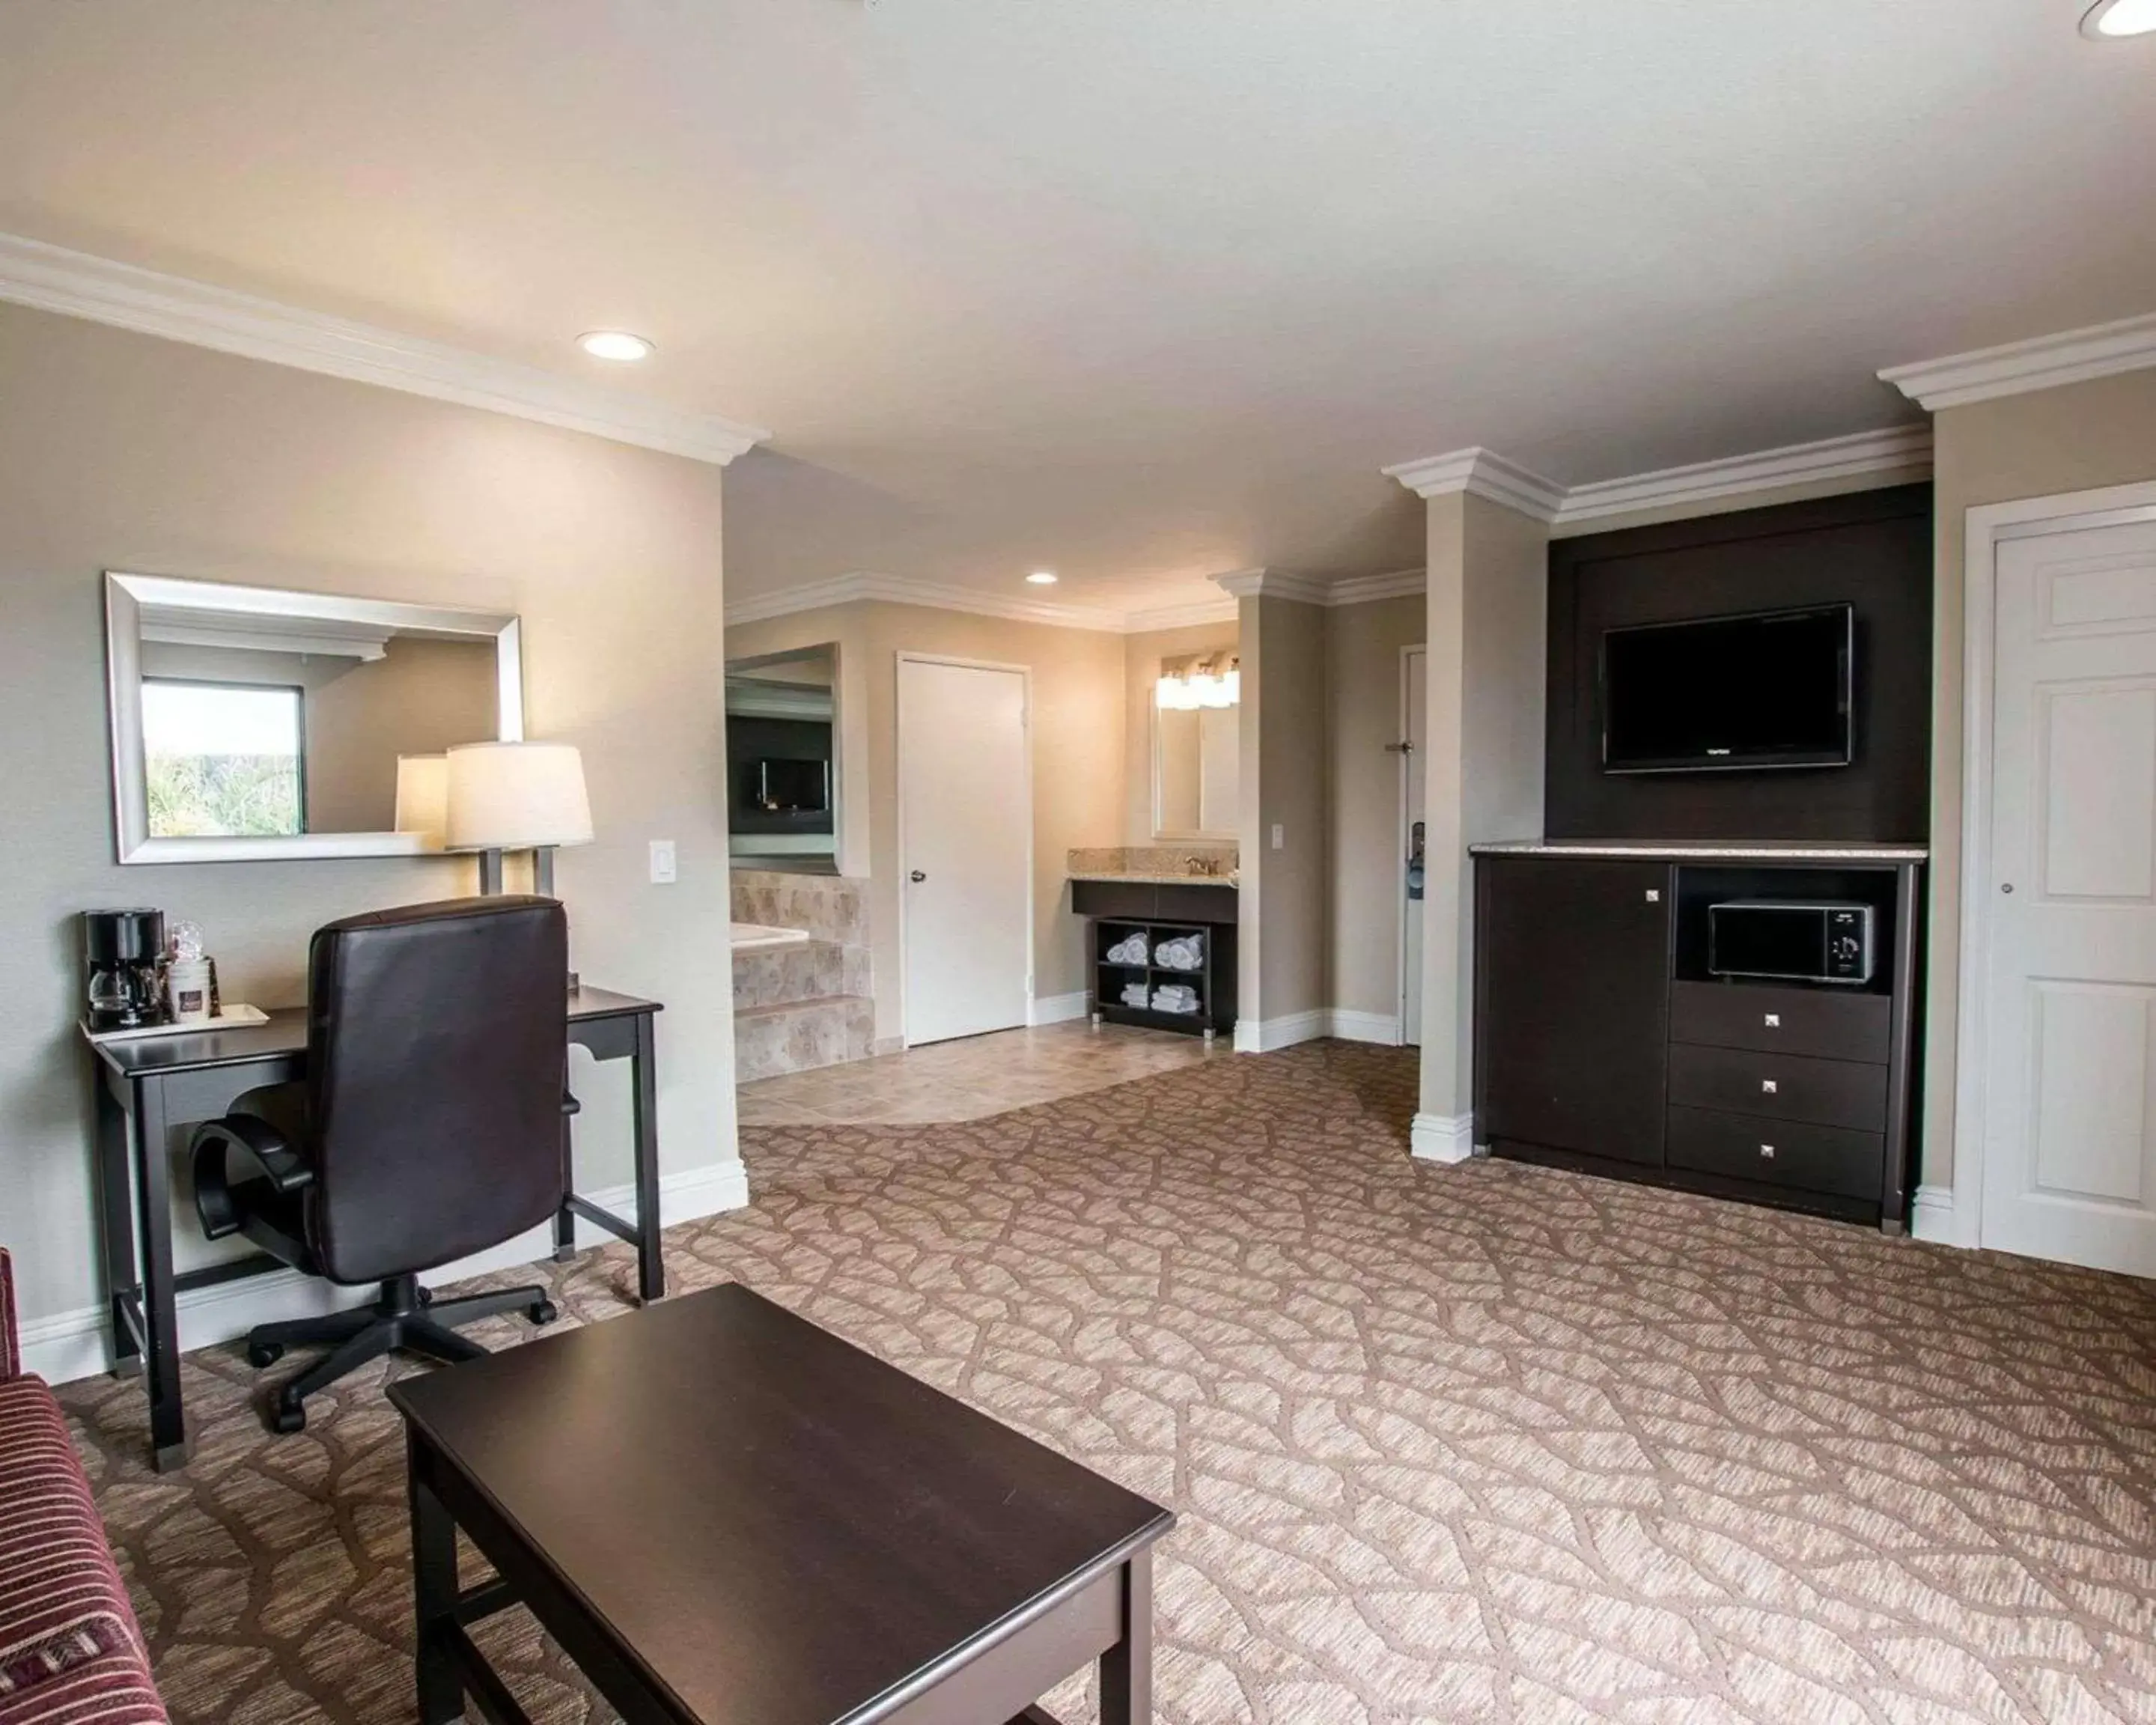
{"x": 490, "y": 874}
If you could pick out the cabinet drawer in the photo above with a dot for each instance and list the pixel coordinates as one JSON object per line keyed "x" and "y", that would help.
{"x": 1780, "y": 1086}
{"x": 1786, "y": 1152}
{"x": 1194, "y": 904}
{"x": 1131, "y": 900}
{"x": 1800, "y": 1021}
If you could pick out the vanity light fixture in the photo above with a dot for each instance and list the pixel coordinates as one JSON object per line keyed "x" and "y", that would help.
{"x": 615, "y": 344}
{"x": 2108, "y": 20}
{"x": 1205, "y": 680}
{"x": 1041, "y": 578}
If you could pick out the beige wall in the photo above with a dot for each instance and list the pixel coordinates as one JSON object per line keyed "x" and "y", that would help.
{"x": 1367, "y": 865}
{"x": 419, "y": 698}
{"x": 119, "y": 451}
{"x": 1281, "y": 949}
{"x": 1078, "y": 759}
{"x": 1143, "y": 653}
{"x": 2076, "y": 439}
{"x": 1488, "y": 601}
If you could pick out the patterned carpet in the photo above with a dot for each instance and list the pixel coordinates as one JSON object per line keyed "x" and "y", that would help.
{"x": 1486, "y": 1443}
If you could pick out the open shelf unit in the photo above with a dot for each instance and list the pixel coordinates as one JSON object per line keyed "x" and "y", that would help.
{"x": 1214, "y": 979}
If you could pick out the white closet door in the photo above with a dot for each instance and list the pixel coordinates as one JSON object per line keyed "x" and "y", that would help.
{"x": 2070, "y": 1009}
{"x": 1414, "y": 700}
{"x": 966, "y": 848}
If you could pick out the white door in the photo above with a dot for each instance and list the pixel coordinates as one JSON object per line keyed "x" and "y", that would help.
{"x": 965, "y": 823}
{"x": 2070, "y": 1009}
{"x": 1414, "y": 706}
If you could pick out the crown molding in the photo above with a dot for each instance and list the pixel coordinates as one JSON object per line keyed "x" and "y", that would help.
{"x": 900, "y": 590}
{"x": 1272, "y": 584}
{"x": 1901, "y": 449}
{"x": 1484, "y": 474}
{"x": 1364, "y": 589}
{"x": 1219, "y": 610}
{"x": 2102, "y": 350}
{"x": 76, "y": 284}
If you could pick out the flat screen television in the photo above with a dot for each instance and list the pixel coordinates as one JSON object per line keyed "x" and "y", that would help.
{"x": 1729, "y": 694}
{"x": 783, "y": 787}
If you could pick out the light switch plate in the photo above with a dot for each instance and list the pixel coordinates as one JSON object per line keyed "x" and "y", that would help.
{"x": 662, "y": 862}
{"x": 1279, "y": 836}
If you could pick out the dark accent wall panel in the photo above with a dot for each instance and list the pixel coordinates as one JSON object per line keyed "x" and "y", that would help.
{"x": 1873, "y": 548}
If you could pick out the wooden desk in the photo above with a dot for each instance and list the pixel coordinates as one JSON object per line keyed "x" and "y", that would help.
{"x": 726, "y": 1515}
{"x": 146, "y": 1087}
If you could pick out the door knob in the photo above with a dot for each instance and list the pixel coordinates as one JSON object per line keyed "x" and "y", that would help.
{"x": 2006, "y": 887}
{"x": 916, "y": 875}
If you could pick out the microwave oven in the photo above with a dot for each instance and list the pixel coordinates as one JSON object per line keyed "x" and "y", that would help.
{"x": 1790, "y": 941}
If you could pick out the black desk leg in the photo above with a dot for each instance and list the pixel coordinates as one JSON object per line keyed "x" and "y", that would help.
{"x": 565, "y": 1216}
{"x": 1126, "y": 1667}
{"x": 148, "y": 1135}
{"x": 650, "y": 1263}
{"x": 434, "y": 1593}
{"x": 115, "y": 1210}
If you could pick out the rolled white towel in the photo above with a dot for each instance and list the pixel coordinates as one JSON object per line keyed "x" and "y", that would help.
{"x": 1130, "y": 950}
{"x": 1184, "y": 953}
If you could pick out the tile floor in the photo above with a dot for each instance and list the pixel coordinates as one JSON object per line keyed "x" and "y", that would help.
{"x": 973, "y": 1077}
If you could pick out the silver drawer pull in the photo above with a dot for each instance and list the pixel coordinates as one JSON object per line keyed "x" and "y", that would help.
{"x": 1773, "y": 1021}
{"x": 1767, "y": 1151}
{"x": 1768, "y": 1088}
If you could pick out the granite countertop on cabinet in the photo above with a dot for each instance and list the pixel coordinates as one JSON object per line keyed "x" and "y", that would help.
{"x": 1156, "y": 865}
{"x": 1710, "y": 850}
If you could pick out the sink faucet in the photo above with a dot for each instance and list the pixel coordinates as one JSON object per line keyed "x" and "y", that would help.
{"x": 1204, "y": 865}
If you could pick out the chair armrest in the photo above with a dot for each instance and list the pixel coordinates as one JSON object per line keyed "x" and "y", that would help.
{"x": 284, "y": 1168}
{"x": 11, "y": 1336}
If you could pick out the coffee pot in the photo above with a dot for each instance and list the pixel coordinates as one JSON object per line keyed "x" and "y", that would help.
{"x": 124, "y": 953}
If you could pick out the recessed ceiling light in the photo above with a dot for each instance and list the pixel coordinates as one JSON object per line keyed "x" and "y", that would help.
{"x": 1042, "y": 577}
{"x": 615, "y": 344}
{"x": 2108, "y": 19}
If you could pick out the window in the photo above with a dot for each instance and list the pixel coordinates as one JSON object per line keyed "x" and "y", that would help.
{"x": 224, "y": 759}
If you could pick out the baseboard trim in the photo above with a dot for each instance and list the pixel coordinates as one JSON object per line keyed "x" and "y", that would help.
{"x": 1439, "y": 1138}
{"x": 70, "y": 1345}
{"x": 1350, "y": 1026}
{"x": 1058, "y": 1008}
{"x": 1932, "y": 1217}
{"x": 1267, "y": 1035}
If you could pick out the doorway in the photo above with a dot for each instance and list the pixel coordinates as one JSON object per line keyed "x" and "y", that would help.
{"x": 1414, "y": 711}
{"x": 2057, "y": 1054}
{"x": 965, "y": 843}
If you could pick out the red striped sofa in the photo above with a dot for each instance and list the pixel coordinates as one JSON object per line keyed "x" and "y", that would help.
{"x": 70, "y": 1651}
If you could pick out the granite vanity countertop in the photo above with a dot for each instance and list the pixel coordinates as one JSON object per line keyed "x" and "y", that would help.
{"x": 1711, "y": 850}
{"x": 1143, "y": 877}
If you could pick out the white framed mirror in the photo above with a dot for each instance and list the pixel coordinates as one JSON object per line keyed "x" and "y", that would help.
{"x": 255, "y": 723}
{"x": 1197, "y": 747}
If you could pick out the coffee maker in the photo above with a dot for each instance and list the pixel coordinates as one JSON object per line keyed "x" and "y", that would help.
{"x": 125, "y": 953}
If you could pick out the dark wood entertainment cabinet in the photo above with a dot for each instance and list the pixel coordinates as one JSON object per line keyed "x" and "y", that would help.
{"x": 1602, "y": 1044}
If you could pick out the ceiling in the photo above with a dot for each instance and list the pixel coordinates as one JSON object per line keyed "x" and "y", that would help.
{"x": 1138, "y": 291}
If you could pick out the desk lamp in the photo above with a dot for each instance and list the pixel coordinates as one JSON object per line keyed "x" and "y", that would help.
{"x": 516, "y": 796}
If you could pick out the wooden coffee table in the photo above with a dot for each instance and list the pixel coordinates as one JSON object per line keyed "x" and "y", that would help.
{"x": 726, "y": 1516}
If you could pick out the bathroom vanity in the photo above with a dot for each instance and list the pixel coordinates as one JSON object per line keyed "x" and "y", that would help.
{"x": 1123, "y": 907}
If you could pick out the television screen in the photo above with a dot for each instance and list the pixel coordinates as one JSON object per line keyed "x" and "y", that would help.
{"x": 792, "y": 787}
{"x": 1724, "y": 693}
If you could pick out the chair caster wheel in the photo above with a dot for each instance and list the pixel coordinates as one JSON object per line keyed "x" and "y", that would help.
{"x": 426, "y": 1296}
{"x": 287, "y": 1419}
{"x": 542, "y": 1312}
{"x": 263, "y": 1355}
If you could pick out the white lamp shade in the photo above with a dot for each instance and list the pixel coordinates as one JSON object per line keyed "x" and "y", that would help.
{"x": 514, "y": 796}
{"x": 423, "y": 795}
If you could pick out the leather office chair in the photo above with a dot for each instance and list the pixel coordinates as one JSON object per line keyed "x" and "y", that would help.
{"x": 428, "y": 1127}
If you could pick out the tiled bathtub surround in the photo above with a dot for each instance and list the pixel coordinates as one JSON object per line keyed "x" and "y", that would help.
{"x": 1153, "y": 861}
{"x": 807, "y": 1005}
